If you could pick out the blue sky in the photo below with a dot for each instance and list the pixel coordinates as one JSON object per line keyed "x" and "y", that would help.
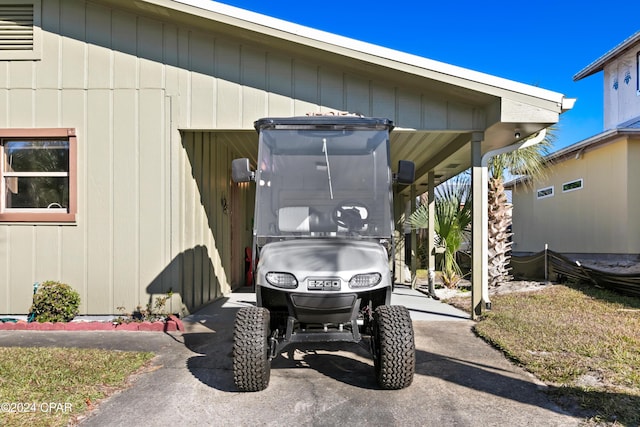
{"x": 542, "y": 45}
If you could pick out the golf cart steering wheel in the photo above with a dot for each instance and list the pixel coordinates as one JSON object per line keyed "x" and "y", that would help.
{"x": 349, "y": 214}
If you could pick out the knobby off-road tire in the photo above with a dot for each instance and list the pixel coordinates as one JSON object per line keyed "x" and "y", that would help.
{"x": 251, "y": 363}
{"x": 393, "y": 347}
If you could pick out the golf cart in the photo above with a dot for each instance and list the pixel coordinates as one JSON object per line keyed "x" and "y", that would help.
{"x": 323, "y": 246}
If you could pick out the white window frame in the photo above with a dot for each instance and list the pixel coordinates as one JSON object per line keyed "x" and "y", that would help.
{"x": 51, "y": 208}
{"x": 571, "y": 182}
{"x": 538, "y": 196}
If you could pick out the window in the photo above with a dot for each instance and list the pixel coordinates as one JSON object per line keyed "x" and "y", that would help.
{"x": 38, "y": 170}
{"x": 20, "y": 32}
{"x": 545, "y": 192}
{"x": 638, "y": 73}
{"x": 572, "y": 185}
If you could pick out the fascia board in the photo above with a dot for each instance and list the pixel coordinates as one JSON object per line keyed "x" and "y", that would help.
{"x": 598, "y": 64}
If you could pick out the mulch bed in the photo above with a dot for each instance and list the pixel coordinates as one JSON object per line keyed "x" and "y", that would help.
{"x": 172, "y": 324}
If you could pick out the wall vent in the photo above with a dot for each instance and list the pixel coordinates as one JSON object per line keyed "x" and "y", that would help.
{"x": 20, "y": 30}
{"x": 16, "y": 27}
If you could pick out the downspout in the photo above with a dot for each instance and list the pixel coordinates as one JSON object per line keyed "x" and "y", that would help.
{"x": 484, "y": 162}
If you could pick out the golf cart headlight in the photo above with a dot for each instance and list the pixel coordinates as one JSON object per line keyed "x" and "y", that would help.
{"x": 282, "y": 280}
{"x": 365, "y": 280}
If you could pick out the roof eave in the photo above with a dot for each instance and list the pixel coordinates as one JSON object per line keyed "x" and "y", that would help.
{"x": 579, "y": 147}
{"x": 598, "y": 64}
{"x": 595, "y": 140}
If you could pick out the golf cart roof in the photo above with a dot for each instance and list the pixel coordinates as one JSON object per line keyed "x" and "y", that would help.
{"x": 323, "y": 122}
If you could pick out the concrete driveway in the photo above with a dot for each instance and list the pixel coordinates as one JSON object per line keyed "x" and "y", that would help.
{"x": 460, "y": 380}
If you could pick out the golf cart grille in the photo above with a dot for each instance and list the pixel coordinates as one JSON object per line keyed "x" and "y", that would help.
{"x": 323, "y": 308}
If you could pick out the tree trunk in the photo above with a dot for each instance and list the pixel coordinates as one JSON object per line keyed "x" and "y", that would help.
{"x": 499, "y": 234}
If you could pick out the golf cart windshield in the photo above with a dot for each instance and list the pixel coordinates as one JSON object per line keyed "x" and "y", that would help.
{"x": 323, "y": 183}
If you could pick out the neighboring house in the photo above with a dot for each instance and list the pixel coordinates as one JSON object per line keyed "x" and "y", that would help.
{"x": 589, "y": 205}
{"x": 119, "y": 120}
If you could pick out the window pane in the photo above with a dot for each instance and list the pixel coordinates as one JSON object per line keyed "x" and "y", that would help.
{"x": 37, "y": 192}
{"x": 545, "y": 192}
{"x": 37, "y": 156}
{"x": 574, "y": 185}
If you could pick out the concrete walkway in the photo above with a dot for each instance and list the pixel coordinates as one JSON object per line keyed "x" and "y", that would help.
{"x": 422, "y": 307}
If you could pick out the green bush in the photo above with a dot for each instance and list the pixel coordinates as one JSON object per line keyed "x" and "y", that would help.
{"x": 55, "y": 302}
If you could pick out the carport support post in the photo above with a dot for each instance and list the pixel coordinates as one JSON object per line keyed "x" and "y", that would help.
{"x": 479, "y": 236}
{"x": 431, "y": 231}
{"x": 414, "y": 239}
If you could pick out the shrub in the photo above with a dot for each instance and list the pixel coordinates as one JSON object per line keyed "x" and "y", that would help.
{"x": 55, "y": 302}
{"x": 152, "y": 313}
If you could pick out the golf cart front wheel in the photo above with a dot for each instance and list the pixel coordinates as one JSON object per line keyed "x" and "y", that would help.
{"x": 251, "y": 362}
{"x": 394, "y": 350}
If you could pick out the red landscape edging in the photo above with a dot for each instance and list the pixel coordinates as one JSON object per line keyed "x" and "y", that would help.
{"x": 172, "y": 324}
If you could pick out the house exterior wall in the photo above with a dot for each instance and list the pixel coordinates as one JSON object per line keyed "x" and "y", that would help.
{"x": 149, "y": 202}
{"x": 597, "y": 219}
{"x": 621, "y": 90}
{"x": 633, "y": 195}
{"x": 150, "y": 213}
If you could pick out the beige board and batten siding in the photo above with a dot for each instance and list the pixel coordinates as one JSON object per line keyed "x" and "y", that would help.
{"x": 633, "y": 195}
{"x": 600, "y": 218}
{"x": 207, "y": 200}
{"x": 143, "y": 94}
{"x": 120, "y": 241}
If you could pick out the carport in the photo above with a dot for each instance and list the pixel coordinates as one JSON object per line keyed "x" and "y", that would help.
{"x": 460, "y": 119}
{"x": 235, "y": 66}
{"x": 441, "y": 154}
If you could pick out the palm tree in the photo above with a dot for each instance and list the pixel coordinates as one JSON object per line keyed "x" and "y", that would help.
{"x": 452, "y": 220}
{"x": 529, "y": 162}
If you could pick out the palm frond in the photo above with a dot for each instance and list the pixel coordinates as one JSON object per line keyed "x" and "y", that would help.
{"x": 529, "y": 161}
{"x": 452, "y": 218}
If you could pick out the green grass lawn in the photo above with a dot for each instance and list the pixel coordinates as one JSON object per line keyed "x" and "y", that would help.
{"x": 53, "y": 386}
{"x": 582, "y": 341}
